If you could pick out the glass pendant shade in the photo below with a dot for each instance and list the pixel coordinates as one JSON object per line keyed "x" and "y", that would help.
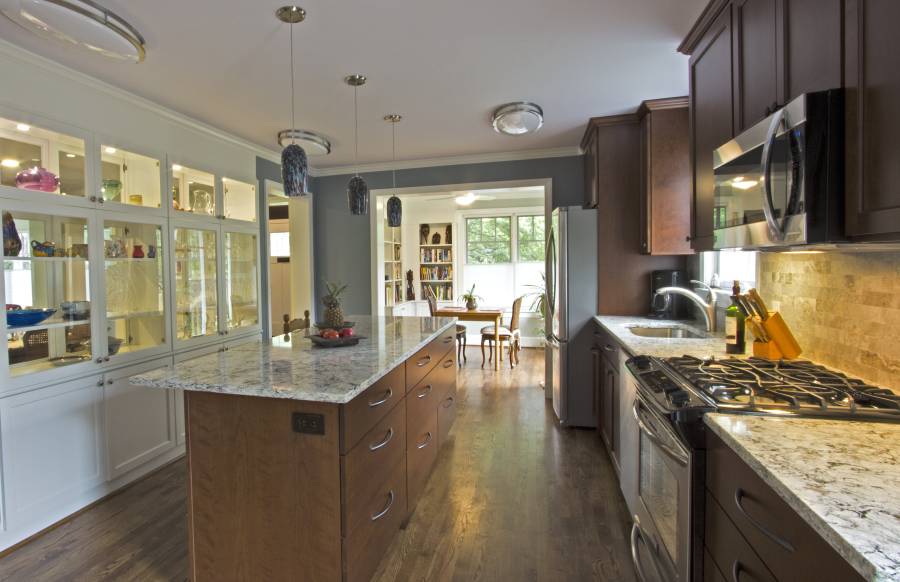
{"x": 358, "y": 196}
{"x": 294, "y": 171}
{"x": 394, "y": 211}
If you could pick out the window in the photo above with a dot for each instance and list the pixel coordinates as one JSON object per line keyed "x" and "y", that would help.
{"x": 725, "y": 267}
{"x": 488, "y": 240}
{"x": 530, "y": 239}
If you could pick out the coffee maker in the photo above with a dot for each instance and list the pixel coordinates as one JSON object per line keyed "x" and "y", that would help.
{"x": 669, "y": 306}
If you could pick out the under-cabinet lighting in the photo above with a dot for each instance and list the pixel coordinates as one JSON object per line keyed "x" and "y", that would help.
{"x": 10, "y": 163}
{"x": 23, "y": 127}
{"x": 70, "y": 155}
{"x": 110, "y": 150}
{"x": 176, "y": 168}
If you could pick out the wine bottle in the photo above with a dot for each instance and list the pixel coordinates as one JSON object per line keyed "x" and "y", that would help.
{"x": 735, "y": 337}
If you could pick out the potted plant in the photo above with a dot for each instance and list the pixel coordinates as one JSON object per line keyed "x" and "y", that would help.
{"x": 471, "y": 299}
{"x": 539, "y": 298}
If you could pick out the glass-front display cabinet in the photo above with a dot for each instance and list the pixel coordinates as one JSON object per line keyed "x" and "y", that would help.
{"x": 134, "y": 280}
{"x": 46, "y": 278}
{"x": 241, "y": 275}
{"x": 193, "y": 191}
{"x": 129, "y": 178}
{"x": 196, "y": 283}
{"x": 41, "y": 160}
{"x": 239, "y": 200}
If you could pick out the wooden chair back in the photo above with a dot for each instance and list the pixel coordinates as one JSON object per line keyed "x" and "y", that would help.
{"x": 432, "y": 300}
{"x": 516, "y": 311}
{"x": 295, "y": 324}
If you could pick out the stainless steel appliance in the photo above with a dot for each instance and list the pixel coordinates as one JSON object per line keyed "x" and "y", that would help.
{"x": 780, "y": 183}
{"x": 668, "y": 306}
{"x": 571, "y": 272}
{"x": 671, "y": 398}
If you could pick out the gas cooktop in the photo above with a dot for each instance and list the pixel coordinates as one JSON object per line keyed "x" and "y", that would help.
{"x": 792, "y": 387}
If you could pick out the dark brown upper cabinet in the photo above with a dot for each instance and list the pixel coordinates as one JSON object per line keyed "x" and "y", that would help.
{"x": 810, "y": 59}
{"x": 665, "y": 177}
{"x": 711, "y": 118}
{"x": 872, "y": 102}
{"x": 591, "y": 181}
{"x": 755, "y": 67}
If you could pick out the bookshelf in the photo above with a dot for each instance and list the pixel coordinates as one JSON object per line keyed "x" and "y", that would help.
{"x": 436, "y": 260}
{"x": 393, "y": 266}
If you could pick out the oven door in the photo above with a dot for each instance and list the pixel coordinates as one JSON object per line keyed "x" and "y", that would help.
{"x": 661, "y": 534}
{"x": 759, "y": 179}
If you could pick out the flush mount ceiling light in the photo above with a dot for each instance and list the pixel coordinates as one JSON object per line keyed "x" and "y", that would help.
{"x": 357, "y": 189}
{"x": 82, "y": 23}
{"x": 294, "y": 164}
{"x": 518, "y": 118}
{"x": 315, "y": 144}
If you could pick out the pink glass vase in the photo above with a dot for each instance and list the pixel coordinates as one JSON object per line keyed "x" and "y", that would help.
{"x": 40, "y": 179}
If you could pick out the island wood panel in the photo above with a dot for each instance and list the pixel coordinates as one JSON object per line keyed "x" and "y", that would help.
{"x": 264, "y": 501}
{"x": 421, "y": 453}
{"x": 370, "y": 465}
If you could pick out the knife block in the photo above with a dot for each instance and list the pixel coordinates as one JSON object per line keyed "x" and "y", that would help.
{"x": 782, "y": 344}
{"x": 767, "y": 350}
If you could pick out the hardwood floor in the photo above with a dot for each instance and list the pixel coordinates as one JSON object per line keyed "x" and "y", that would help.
{"x": 513, "y": 497}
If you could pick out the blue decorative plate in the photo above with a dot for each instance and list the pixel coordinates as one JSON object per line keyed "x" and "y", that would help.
{"x": 27, "y": 317}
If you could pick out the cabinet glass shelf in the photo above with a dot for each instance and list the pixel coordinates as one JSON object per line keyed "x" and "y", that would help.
{"x": 241, "y": 301}
{"x": 239, "y": 199}
{"x": 196, "y": 289}
{"x": 193, "y": 191}
{"x": 35, "y": 282}
{"x": 129, "y": 178}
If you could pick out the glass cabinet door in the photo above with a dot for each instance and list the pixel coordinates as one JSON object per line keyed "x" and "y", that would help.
{"x": 239, "y": 200}
{"x": 193, "y": 191}
{"x": 128, "y": 178}
{"x": 196, "y": 293}
{"x": 47, "y": 282}
{"x": 41, "y": 160}
{"x": 135, "y": 306}
{"x": 241, "y": 280}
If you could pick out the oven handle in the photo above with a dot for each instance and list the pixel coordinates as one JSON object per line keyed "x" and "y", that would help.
{"x": 775, "y": 229}
{"x": 637, "y": 535}
{"x": 678, "y": 456}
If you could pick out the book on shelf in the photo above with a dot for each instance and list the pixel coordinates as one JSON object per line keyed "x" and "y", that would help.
{"x": 441, "y": 292}
{"x": 432, "y": 255}
{"x": 436, "y": 273}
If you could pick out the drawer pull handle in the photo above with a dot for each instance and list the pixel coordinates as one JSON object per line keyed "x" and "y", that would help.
{"x": 738, "y": 497}
{"x": 387, "y": 507}
{"x": 387, "y": 438}
{"x": 423, "y": 361}
{"x": 449, "y": 402}
{"x": 448, "y": 339}
{"x": 736, "y": 570}
{"x": 609, "y": 348}
{"x": 424, "y": 443}
{"x": 448, "y": 363}
{"x": 425, "y": 391}
{"x": 387, "y": 396}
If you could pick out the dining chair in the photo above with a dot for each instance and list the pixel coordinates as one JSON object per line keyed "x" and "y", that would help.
{"x": 461, "y": 342}
{"x": 511, "y": 335}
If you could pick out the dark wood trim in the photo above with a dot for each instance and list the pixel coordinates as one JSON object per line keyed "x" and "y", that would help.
{"x": 595, "y": 122}
{"x": 659, "y": 104}
{"x": 695, "y": 34}
{"x": 87, "y": 507}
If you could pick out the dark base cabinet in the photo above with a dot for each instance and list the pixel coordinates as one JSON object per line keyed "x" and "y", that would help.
{"x": 752, "y": 534}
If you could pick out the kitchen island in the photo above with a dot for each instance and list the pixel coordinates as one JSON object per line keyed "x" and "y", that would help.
{"x": 303, "y": 462}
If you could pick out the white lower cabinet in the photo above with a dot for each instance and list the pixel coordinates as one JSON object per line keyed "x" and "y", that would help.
{"x": 140, "y": 421}
{"x": 52, "y": 451}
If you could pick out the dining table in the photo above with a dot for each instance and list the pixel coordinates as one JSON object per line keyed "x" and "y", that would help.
{"x": 478, "y": 314}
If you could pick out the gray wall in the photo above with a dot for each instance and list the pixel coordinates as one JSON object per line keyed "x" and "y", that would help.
{"x": 265, "y": 170}
{"x": 342, "y": 241}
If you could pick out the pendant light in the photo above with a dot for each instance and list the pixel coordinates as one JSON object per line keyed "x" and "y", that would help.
{"x": 357, "y": 189}
{"x": 294, "y": 164}
{"x": 394, "y": 206}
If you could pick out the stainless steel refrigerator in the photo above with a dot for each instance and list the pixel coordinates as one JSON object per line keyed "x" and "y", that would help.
{"x": 572, "y": 301}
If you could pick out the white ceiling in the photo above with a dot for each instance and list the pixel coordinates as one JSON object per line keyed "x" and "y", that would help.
{"x": 443, "y": 65}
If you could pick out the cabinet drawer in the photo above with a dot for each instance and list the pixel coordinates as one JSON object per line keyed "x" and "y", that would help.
{"x": 711, "y": 571}
{"x": 365, "y": 546}
{"x": 789, "y": 547}
{"x": 421, "y": 453}
{"x": 606, "y": 343}
{"x": 370, "y": 465}
{"x": 729, "y": 550}
{"x": 418, "y": 366}
{"x": 362, "y": 413}
{"x": 422, "y": 401}
{"x": 446, "y": 415}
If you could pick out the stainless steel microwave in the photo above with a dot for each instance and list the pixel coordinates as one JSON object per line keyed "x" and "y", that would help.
{"x": 780, "y": 183}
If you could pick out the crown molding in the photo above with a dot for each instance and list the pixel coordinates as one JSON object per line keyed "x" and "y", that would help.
{"x": 16, "y": 52}
{"x": 661, "y": 104}
{"x": 562, "y": 152}
{"x": 710, "y": 13}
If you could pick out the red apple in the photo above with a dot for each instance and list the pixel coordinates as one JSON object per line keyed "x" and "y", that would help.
{"x": 347, "y": 332}
{"x": 329, "y": 334}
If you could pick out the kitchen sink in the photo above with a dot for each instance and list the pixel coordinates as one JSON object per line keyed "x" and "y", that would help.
{"x": 666, "y": 332}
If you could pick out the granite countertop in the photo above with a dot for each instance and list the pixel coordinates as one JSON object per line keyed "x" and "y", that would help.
{"x": 841, "y": 477}
{"x": 711, "y": 346}
{"x": 292, "y": 368}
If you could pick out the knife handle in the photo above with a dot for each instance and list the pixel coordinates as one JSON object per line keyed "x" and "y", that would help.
{"x": 758, "y": 300}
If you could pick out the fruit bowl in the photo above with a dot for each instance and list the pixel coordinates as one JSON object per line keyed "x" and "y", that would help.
{"x": 338, "y": 342}
{"x": 26, "y": 317}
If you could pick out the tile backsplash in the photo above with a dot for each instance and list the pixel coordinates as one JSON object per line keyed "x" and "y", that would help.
{"x": 844, "y": 308}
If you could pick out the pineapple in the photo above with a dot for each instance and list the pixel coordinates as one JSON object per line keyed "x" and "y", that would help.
{"x": 334, "y": 315}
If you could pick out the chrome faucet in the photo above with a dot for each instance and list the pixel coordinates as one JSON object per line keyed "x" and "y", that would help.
{"x": 709, "y": 309}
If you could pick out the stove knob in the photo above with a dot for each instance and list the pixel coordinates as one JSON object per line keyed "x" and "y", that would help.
{"x": 679, "y": 398}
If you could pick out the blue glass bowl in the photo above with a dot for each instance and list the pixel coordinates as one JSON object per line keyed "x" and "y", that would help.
{"x": 26, "y": 317}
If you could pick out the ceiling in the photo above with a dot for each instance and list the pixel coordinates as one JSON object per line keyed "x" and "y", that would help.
{"x": 443, "y": 65}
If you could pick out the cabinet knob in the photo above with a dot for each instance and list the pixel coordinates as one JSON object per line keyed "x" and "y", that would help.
{"x": 106, "y": 359}
{"x": 100, "y": 361}
{"x": 687, "y": 238}
{"x": 100, "y": 383}
{"x": 93, "y": 198}
{"x": 109, "y": 382}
